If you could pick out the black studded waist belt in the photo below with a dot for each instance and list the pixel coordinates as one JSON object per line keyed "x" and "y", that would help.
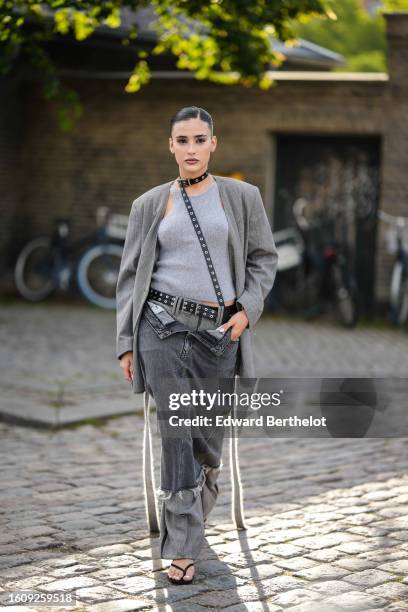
{"x": 197, "y": 308}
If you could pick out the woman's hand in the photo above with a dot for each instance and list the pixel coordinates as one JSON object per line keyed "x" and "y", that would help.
{"x": 238, "y": 322}
{"x": 126, "y": 363}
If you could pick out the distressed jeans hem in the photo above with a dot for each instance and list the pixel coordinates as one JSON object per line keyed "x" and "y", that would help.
{"x": 166, "y": 494}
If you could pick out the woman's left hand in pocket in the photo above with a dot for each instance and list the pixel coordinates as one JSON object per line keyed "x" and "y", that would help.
{"x": 238, "y": 322}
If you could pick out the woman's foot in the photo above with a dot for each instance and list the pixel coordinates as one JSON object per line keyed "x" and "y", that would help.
{"x": 177, "y": 574}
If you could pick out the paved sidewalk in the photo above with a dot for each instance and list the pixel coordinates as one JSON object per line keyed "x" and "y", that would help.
{"x": 327, "y": 518}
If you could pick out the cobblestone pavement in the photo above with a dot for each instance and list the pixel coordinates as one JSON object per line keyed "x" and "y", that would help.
{"x": 327, "y": 518}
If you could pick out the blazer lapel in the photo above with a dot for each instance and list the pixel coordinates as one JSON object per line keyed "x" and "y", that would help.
{"x": 158, "y": 210}
{"x": 160, "y": 203}
{"x": 235, "y": 248}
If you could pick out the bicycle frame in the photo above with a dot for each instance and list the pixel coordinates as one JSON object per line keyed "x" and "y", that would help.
{"x": 397, "y": 240}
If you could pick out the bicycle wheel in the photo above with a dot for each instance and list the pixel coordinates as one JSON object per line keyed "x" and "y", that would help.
{"x": 34, "y": 270}
{"x": 97, "y": 274}
{"x": 345, "y": 296}
{"x": 399, "y": 294}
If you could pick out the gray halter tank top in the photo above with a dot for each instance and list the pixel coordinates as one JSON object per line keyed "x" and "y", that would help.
{"x": 181, "y": 268}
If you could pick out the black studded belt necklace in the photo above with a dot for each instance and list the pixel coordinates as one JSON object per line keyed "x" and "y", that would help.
{"x": 200, "y": 236}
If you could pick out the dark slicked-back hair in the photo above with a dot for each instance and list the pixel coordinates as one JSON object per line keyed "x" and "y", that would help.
{"x": 192, "y": 112}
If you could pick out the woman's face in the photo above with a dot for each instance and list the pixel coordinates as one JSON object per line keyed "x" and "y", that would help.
{"x": 191, "y": 139}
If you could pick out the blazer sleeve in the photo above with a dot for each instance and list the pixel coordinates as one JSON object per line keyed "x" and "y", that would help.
{"x": 261, "y": 263}
{"x": 126, "y": 280}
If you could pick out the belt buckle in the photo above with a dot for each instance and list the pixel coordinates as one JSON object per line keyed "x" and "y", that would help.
{"x": 196, "y": 308}
{"x": 176, "y": 304}
{"x": 182, "y": 304}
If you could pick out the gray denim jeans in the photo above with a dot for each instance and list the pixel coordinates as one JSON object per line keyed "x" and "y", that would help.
{"x": 179, "y": 353}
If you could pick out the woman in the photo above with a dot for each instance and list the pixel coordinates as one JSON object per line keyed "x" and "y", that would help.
{"x": 199, "y": 259}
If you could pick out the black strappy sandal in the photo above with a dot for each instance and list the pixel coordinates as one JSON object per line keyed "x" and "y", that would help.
{"x": 184, "y": 570}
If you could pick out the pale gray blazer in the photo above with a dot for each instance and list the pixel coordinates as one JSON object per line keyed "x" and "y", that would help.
{"x": 254, "y": 263}
{"x": 252, "y": 252}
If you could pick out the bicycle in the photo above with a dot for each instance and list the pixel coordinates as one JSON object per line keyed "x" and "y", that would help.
{"x": 397, "y": 239}
{"x": 47, "y": 264}
{"x": 327, "y": 272}
{"x": 290, "y": 247}
{"x": 318, "y": 269}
